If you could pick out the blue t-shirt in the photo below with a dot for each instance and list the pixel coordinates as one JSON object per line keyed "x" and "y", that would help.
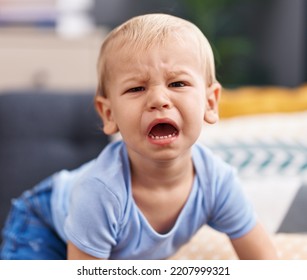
{"x": 93, "y": 207}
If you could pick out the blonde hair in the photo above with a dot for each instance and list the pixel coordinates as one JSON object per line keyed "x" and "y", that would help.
{"x": 143, "y": 32}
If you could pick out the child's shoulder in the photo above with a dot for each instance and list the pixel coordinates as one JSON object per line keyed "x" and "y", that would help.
{"x": 205, "y": 156}
{"x": 109, "y": 176}
{"x": 104, "y": 175}
{"x": 212, "y": 171}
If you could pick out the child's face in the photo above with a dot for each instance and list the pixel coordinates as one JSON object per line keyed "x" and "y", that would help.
{"x": 158, "y": 99}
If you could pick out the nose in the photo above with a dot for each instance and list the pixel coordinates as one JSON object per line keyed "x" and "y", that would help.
{"x": 158, "y": 99}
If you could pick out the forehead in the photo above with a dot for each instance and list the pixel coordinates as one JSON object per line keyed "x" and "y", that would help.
{"x": 124, "y": 49}
{"x": 171, "y": 53}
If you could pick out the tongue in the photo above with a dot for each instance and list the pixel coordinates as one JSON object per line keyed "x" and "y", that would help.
{"x": 163, "y": 129}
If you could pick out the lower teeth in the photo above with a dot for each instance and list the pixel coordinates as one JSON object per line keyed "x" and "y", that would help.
{"x": 162, "y": 137}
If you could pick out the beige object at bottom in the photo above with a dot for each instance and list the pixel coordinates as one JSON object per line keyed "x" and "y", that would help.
{"x": 209, "y": 244}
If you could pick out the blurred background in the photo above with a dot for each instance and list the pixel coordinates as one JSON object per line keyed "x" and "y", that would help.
{"x": 53, "y": 44}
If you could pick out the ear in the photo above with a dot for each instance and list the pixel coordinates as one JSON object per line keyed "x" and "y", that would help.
{"x": 103, "y": 107}
{"x": 213, "y": 96}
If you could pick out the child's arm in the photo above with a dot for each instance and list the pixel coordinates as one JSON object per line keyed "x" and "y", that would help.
{"x": 256, "y": 244}
{"x": 73, "y": 253}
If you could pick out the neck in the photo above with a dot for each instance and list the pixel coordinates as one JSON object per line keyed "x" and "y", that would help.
{"x": 157, "y": 174}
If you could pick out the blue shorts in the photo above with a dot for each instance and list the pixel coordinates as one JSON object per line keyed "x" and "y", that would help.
{"x": 29, "y": 232}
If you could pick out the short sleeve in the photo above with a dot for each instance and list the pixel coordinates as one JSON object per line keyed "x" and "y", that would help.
{"x": 93, "y": 218}
{"x": 231, "y": 213}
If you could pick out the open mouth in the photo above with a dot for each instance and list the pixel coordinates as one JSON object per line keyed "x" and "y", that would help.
{"x": 163, "y": 131}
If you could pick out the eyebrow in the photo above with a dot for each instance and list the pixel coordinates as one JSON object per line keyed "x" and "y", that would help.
{"x": 137, "y": 77}
{"x": 175, "y": 73}
{"x": 146, "y": 77}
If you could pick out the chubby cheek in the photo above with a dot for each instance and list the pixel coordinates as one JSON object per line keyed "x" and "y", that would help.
{"x": 196, "y": 105}
{"x": 194, "y": 116}
{"x": 128, "y": 123}
{"x": 193, "y": 127}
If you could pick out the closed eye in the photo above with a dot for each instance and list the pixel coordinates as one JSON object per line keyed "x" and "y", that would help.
{"x": 136, "y": 89}
{"x": 177, "y": 84}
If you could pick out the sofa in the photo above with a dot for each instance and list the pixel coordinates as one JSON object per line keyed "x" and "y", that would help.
{"x": 262, "y": 133}
{"x": 43, "y": 132}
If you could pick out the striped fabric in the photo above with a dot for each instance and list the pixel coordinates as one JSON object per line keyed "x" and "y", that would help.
{"x": 277, "y": 156}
